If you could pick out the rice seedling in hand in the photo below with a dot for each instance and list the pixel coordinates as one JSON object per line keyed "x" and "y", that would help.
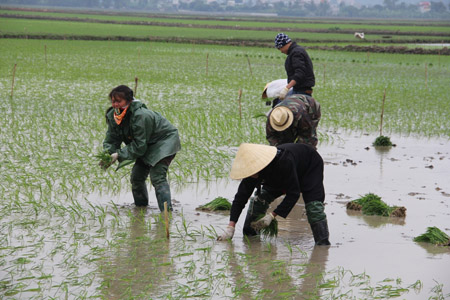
{"x": 371, "y": 204}
{"x": 269, "y": 231}
{"x": 105, "y": 159}
{"x": 220, "y": 203}
{"x": 434, "y": 236}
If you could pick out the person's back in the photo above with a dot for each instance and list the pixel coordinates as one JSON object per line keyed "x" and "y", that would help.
{"x": 294, "y": 120}
{"x": 299, "y": 67}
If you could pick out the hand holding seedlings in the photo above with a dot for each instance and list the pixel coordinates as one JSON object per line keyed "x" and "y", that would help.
{"x": 114, "y": 158}
{"x": 227, "y": 235}
{"x": 263, "y": 222}
{"x": 105, "y": 159}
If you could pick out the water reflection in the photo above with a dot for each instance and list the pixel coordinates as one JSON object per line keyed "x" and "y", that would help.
{"x": 382, "y": 152}
{"x": 288, "y": 267}
{"x": 376, "y": 221}
{"x": 265, "y": 270}
{"x": 138, "y": 263}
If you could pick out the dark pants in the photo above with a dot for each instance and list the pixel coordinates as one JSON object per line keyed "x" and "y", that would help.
{"x": 307, "y": 92}
{"x": 158, "y": 178}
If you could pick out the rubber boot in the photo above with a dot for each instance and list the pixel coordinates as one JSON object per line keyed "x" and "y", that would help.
{"x": 140, "y": 195}
{"x": 320, "y": 232}
{"x": 162, "y": 192}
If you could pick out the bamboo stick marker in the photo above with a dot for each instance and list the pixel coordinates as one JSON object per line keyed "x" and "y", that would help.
{"x": 207, "y": 54}
{"x": 382, "y": 112}
{"x": 240, "y": 106}
{"x": 13, "y": 77}
{"x": 166, "y": 217}
{"x": 249, "y": 66}
{"x": 135, "y": 85}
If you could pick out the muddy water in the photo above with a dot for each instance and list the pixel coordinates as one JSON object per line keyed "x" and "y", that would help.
{"x": 381, "y": 251}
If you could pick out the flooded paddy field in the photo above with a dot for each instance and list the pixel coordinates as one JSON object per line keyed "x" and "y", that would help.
{"x": 69, "y": 229}
{"x": 371, "y": 257}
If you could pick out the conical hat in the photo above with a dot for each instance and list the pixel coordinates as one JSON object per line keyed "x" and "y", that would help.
{"x": 250, "y": 159}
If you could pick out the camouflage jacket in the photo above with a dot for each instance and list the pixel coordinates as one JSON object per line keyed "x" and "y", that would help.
{"x": 303, "y": 130}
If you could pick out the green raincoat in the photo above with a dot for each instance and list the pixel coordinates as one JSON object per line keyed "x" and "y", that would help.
{"x": 146, "y": 134}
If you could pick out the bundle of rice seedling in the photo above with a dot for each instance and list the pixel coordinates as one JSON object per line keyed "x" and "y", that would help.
{"x": 434, "y": 236}
{"x": 382, "y": 141}
{"x": 219, "y": 203}
{"x": 371, "y": 204}
{"x": 105, "y": 159}
{"x": 269, "y": 231}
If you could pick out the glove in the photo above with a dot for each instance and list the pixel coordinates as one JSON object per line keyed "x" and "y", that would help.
{"x": 114, "y": 157}
{"x": 263, "y": 222}
{"x": 283, "y": 93}
{"x": 227, "y": 235}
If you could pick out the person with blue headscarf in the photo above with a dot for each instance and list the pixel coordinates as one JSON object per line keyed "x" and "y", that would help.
{"x": 298, "y": 65}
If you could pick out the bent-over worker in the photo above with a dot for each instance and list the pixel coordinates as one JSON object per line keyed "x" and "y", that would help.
{"x": 150, "y": 139}
{"x": 290, "y": 169}
{"x": 294, "y": 120}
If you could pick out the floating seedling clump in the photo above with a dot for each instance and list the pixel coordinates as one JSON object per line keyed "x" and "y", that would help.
{"x": 371, "y": 204}
{"x": 219, "y": 203}
{"x": 434, "y": 236}
{"x": 382, "y": 141}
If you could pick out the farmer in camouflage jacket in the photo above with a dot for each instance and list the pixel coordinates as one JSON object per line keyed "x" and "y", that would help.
{"x": 294, "y": 120}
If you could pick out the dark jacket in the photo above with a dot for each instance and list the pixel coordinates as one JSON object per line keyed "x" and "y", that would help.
{"x": 299, "y": 67}
{"x": 146, "y": 134}
{"x": 297, "y": 169}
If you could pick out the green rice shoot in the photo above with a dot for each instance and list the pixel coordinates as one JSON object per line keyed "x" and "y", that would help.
{"x": 269, "y": 231}
{"x": 371, "y": 204}
{"x": 124, "y": 163}
{"x": 220, "y": 203}
{"x": 434, "y": 236}
{"x": 105, "y": 159}
{"x": 383, "y": 141}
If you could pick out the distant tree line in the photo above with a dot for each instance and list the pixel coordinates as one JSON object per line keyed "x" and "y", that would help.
{"x": 324, "y": 8}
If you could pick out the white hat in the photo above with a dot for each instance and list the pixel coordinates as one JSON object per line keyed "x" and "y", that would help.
{"x": 281, "y": 118}
{"x": 250, "y": 159}
{"x": 273, "y": 88}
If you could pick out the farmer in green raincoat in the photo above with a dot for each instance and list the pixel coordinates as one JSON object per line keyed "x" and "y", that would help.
{"x": 150, "y": 140}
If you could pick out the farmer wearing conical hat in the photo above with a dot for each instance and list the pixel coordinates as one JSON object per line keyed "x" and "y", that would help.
{"x": 150, "y": 140}
{"x": 290, "y": 169}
